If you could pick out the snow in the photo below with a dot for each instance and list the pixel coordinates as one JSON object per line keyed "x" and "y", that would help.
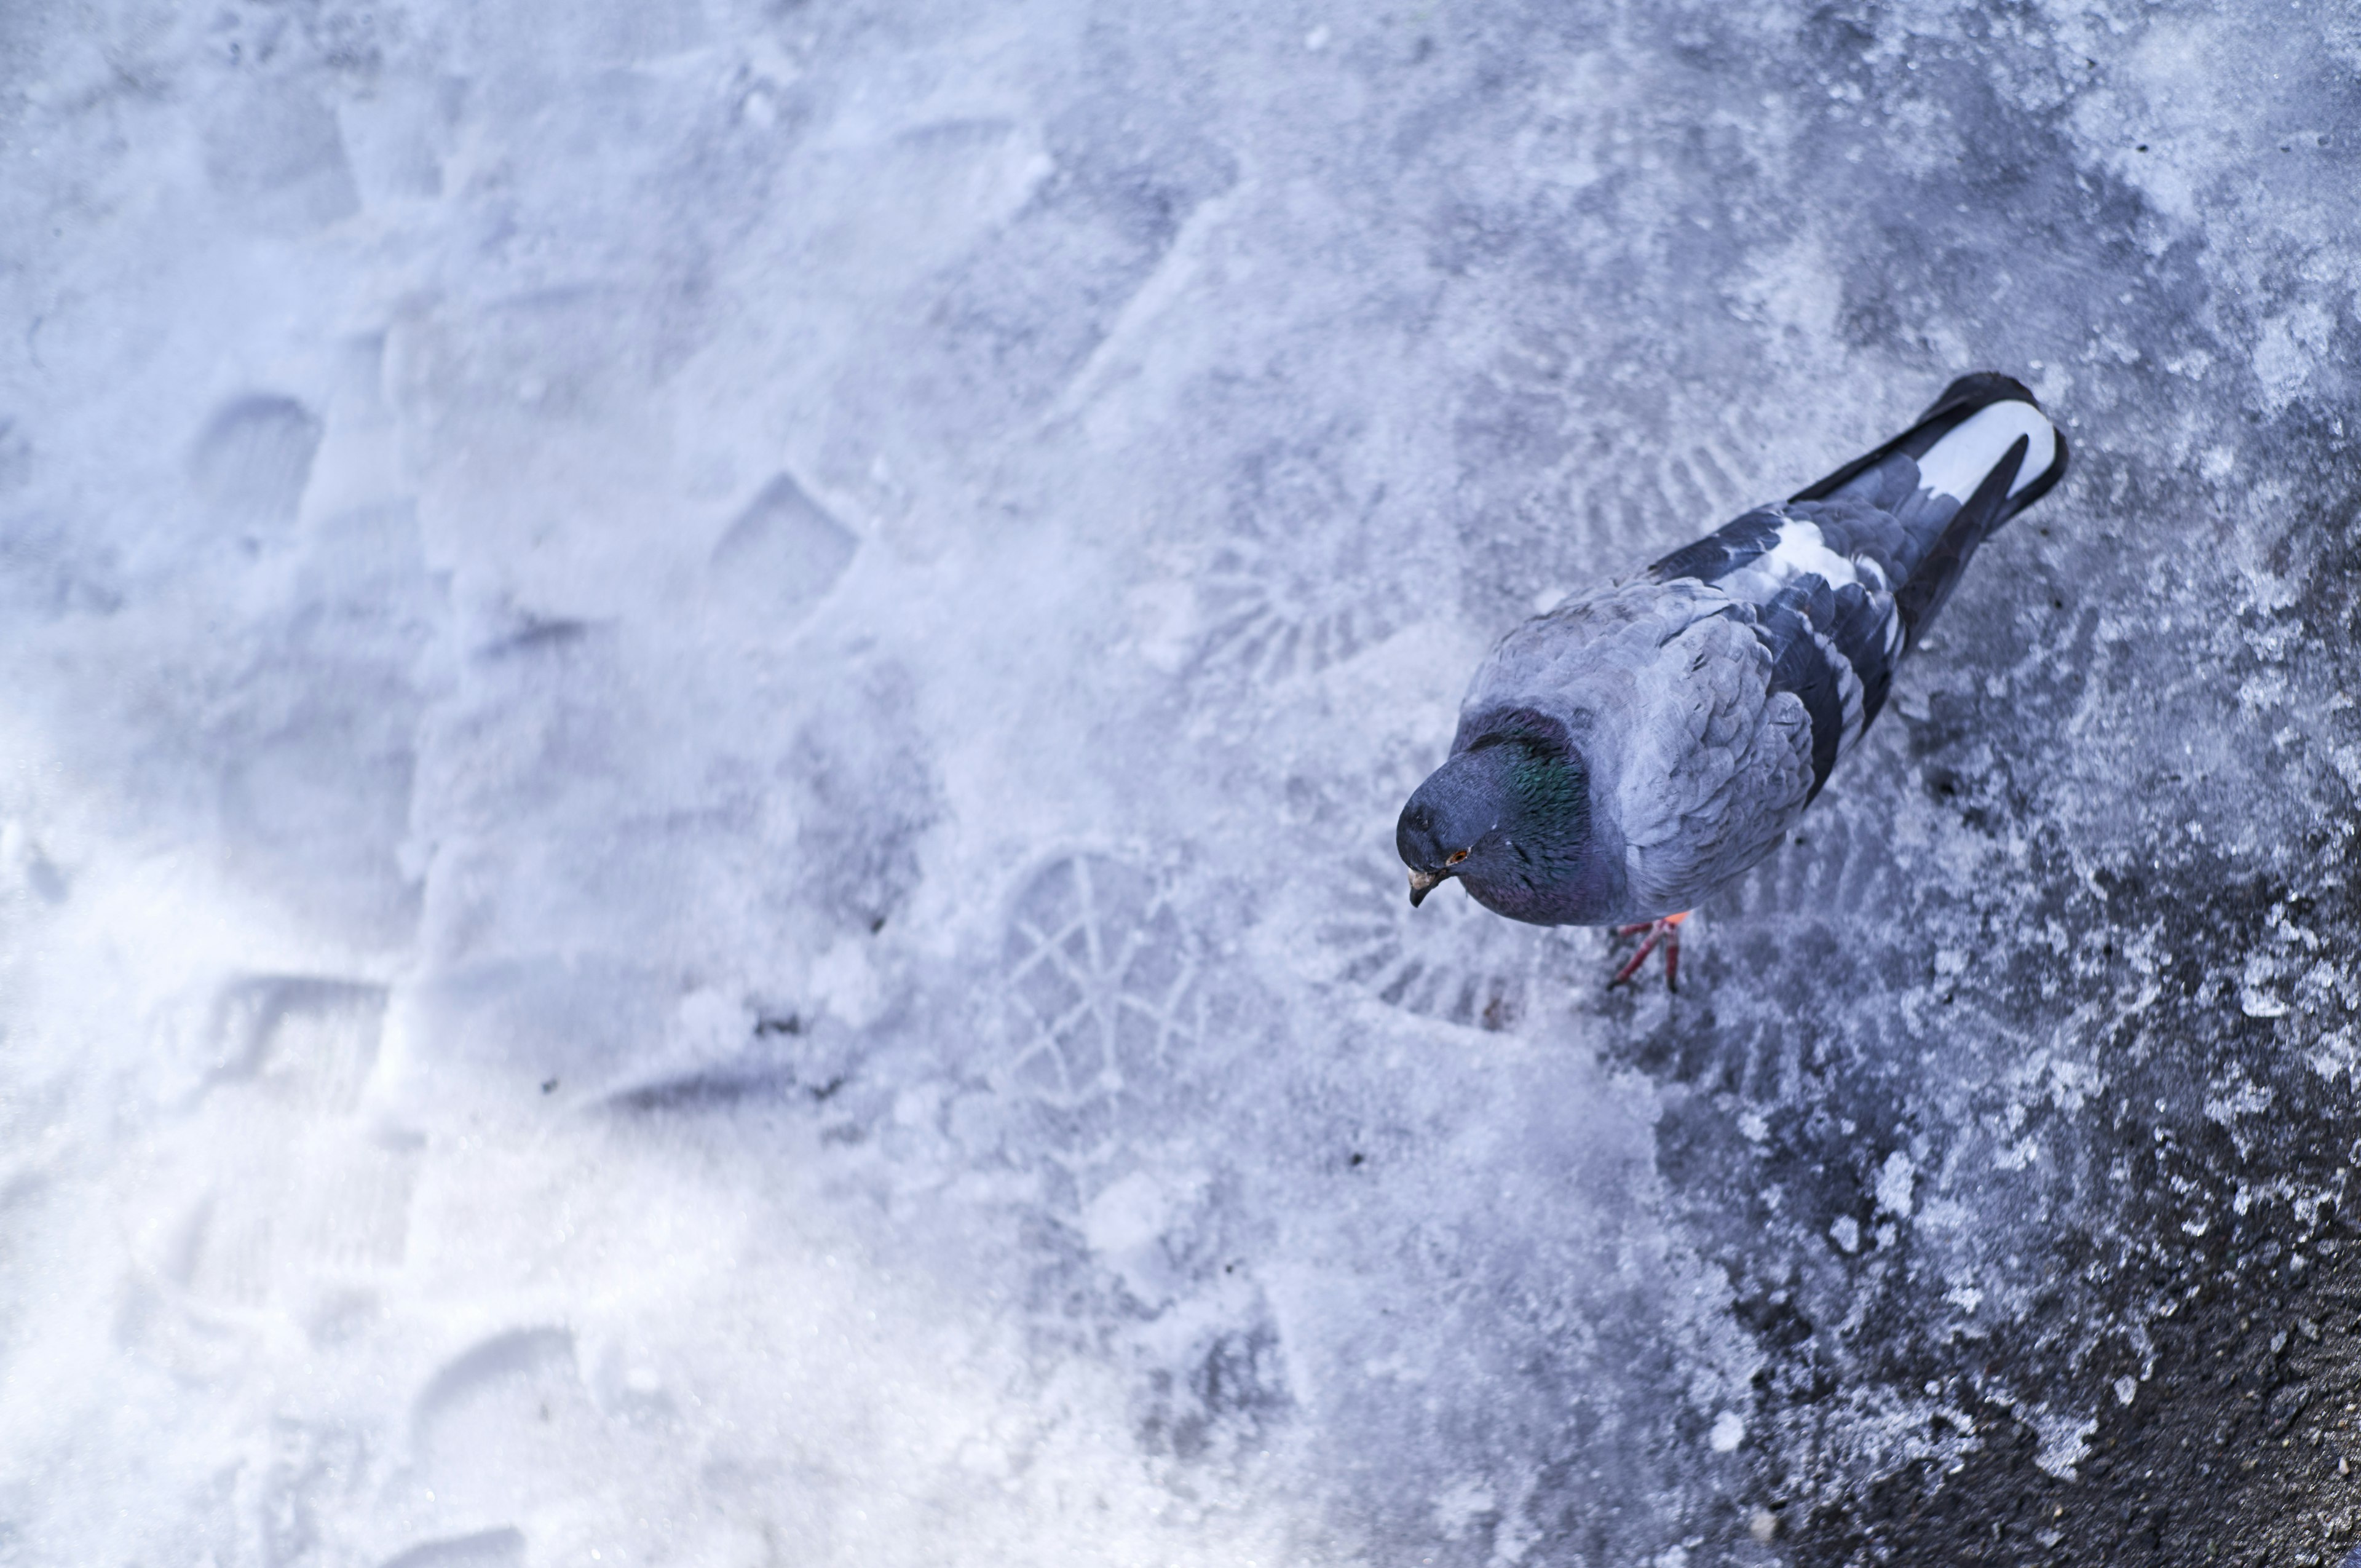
{"x": 704, "y": 703}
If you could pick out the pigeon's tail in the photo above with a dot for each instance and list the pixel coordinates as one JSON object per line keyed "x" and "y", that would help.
{"x": 1982, "y": 455}
{"x": 1840, "y": 581}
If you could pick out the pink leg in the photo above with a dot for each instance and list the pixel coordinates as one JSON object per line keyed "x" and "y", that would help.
{"x": 1665, "y": 932}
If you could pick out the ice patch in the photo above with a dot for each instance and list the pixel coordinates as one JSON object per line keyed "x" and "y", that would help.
{"x": 1460, "y": 1505}
{"x": 2290, "y": 346}
{"x": 2242, "y": 1098}
{"x": 1896, "y": 1183}
{"x": 2065, "y": 1441}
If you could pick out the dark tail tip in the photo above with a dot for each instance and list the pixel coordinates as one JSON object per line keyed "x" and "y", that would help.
{"x": 1977, "y": 390}
{"x": 2049, "y": 480}
{"x": 1960, "y": 400}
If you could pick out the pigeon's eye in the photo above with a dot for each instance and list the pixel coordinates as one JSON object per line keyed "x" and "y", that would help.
{"x": 1457, "y": 856}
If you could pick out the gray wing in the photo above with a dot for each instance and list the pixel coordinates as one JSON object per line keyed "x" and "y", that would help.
{"x": 1820, "y": 582}
{"x": 1671, "y": 694}
{"x": 1720, "y": 767}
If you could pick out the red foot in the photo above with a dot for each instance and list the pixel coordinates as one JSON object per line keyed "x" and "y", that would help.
{"x": 1668, "y": 932}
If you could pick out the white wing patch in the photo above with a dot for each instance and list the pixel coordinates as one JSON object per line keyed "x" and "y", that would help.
{"x": 1801, "y": 552}
{"x": 1956, "y": 465}
{"x": 1849, "y": 693}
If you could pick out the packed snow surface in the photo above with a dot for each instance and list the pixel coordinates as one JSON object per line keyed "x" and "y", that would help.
{"x": 701, "y": 705}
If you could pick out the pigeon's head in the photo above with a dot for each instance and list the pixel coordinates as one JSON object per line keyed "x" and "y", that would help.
{"x": 1511, "y": 816}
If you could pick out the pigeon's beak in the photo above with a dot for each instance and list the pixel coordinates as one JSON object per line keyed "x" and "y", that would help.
{"x": 1424, "y": 882}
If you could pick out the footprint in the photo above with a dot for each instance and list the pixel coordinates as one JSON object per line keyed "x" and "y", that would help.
{"x": 525, "y": 1359}
{"x": 1302, "y": 583}
{"x": 308, "y": 1043}
{"x": 1704, "y": 481}
{"x": 1655, "y": 495}
{"x": 1267, "y": 626}
{"x": 253, "y": 459}
{"x": 304, "y": 1491}
{"x": 783, "y": 554}
{"x": 275, "y": 154}
{"x": 1822, "y": 874}
{"x": 1107, "y": 998}
{"x": 1102, "y": 997}
{"x": 1450, "y": 959}
{"x": 486, "y": 1549}
{"x": 1571, "y": 487}
{"x": 508, "y": 1424}
{"x": 301, "y": 1196}
{"x": 860, "y": 780}
{"x": 1034, "y": 302}
{"x": 1230, "y": 1389}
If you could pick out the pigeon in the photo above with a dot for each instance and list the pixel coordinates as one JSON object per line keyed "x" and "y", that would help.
{"x": 1623, "y": 755}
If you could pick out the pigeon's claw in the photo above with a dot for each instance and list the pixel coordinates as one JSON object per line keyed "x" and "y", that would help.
{"x": 1666, "y": 932}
